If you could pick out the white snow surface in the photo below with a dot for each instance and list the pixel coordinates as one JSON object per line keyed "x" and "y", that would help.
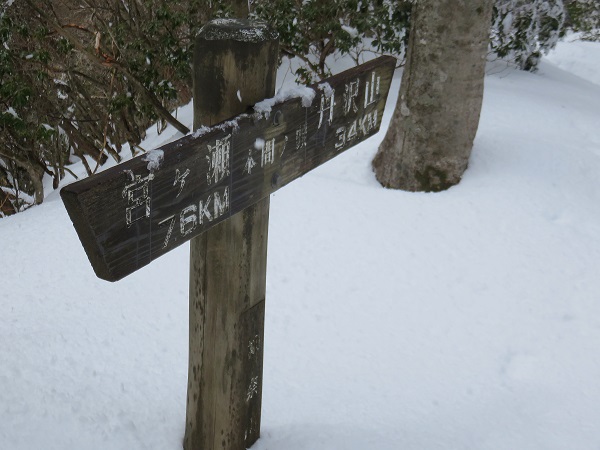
{"x": 467, "y": 319}
{"x": 570, "y": 54}
{"x": 154, "y": 158}
{"x": 305, "y": 94}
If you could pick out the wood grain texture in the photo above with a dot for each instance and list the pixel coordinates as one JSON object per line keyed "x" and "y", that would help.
{"x": 131, "y": 214}
{"x": 228, "y": 261}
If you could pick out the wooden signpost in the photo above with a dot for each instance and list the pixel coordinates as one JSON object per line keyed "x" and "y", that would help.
{"x": 135, "y": 212}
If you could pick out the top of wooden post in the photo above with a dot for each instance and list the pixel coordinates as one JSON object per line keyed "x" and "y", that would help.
{"x": 131, "y": 214}
{"x": 242, "y": 30}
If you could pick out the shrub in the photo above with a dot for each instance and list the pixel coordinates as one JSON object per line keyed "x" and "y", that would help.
{"x": 316, "y": 30}
{"x": 584, "y": 17}
{"x": 524, "y": 29}
{"x": 83, "y": 78}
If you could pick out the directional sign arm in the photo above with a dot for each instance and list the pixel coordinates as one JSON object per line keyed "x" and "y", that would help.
{"x": 133, "y": 213}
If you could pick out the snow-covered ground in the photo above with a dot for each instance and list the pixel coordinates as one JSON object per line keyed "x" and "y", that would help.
{"x": 468, "y": 319}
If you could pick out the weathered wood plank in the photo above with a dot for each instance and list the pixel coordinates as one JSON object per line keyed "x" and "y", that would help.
{"x": 228, "y": 263}
{"x": 133, "y": 213}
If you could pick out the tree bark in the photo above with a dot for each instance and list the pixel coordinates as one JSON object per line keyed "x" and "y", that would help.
{"x": 36, "y": 175}
{"x": 429, "y": 141}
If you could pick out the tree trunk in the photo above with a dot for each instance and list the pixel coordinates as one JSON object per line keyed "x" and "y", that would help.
{"x": 429, "y": 141}
{"x": 36, "y": 175}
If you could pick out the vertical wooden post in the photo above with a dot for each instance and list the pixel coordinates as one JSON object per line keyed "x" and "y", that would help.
{"x": 235, "y": 65}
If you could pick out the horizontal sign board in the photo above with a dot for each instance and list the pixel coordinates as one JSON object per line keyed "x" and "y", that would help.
{"x": 133, "y": 213}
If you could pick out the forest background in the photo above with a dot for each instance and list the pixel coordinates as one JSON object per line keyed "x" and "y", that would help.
{"x": 80, "y": 79}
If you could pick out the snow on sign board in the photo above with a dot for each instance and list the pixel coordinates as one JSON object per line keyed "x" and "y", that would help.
{"x": 133, "y": 213}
